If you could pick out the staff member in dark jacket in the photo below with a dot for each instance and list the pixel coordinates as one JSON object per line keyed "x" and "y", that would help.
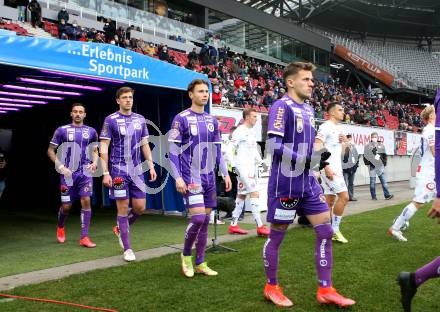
{"x": 350, "y": 162}
{"x": 35, "y": 9}
{"x": 375, "y": 158}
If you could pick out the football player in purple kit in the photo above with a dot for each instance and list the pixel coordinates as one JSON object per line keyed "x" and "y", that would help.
{"x": 71, "y": 143}
{"x": 409, "y": 282}
{"x": 127, "y": 135}
{"x": 291, "y": 141}
{"x": 195, "y": 149}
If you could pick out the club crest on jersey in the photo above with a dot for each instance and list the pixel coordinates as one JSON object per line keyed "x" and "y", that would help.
{"x": 193, "y": 129}
{"x": 194, "y": 188}
{"x": 289, "y": 203}
{"x": 137, "y": 126}
{"x": 118, "y": 183}
{"x": 241, "y": 186}
{"x": 430, "y": 186}
{"x": 210, "y": 127}
{"x": 122, "y": 130}
{"x": 299, "y": 124}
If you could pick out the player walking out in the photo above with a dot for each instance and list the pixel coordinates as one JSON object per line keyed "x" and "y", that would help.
{"x": 127, "y": 135}
{"x": 425, "y": 178}
{"x": 332, "y": 137}
{"x": 245, "y": 160}
{"x": 195, "y": 148}
{"x": 291, "y": 138}
{"x": 72, "y": 141}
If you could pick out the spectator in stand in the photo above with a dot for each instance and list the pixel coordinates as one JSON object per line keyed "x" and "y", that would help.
{"x": 150, "y": 50}
{"x": 192, "y": 56}
{"x": 21, "y": 9}
{"x": 128, "y": 32}
{"x": 268, "y": 99}
{"x": 163, "y": 55}
{"x": 83, "y": 37}
{"x": 35, "y": 9}
{"x": 216, "y": 96}
{"x": 109, "y": 29}
{"x": 213, "y": 55}
{"x": 63, "y": 15}
{"x": 74, "y": 32}
{"x": 62, "y": 30}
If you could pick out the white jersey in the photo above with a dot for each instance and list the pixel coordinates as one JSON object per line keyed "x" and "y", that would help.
{"x": 329, "y": 133}
{"x": 244, "y": 142}
{"x": 426, "y": 166}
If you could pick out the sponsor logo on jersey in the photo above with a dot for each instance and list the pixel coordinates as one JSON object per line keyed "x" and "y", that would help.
{"x": 85, "y": 134}
{"x": 288, "y": 203}
{"x": 118, "y": 183}
{"x": 70, "y": 135}
{"x": 174, "y": 133}
{"x": 322, "y": 198}
{"x": 279, "y": 118}
{"x": 210, "y": 127}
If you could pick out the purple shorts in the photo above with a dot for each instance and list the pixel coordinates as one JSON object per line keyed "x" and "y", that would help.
{"x": 284, "y": 210}
{"x": 124, "y": 187}
{"x": 76, "y": 187}
{"x": 204, "y": 195}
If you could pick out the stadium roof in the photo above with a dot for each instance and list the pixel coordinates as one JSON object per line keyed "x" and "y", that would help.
{"x": 390, "y": 18}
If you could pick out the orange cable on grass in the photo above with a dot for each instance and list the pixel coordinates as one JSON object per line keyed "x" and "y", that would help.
{"x": 59, "y": 302}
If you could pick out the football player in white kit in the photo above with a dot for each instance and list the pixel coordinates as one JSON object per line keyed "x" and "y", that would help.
{"x": 425, "y": 177}
{"x": 331, "y": 136}
{"x": 245, "y": 159}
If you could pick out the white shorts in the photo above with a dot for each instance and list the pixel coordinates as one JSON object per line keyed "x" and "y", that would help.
{"x": 246, "y": 182}
{"x": 335, "y": 186}
{"x": 425, "y": 190}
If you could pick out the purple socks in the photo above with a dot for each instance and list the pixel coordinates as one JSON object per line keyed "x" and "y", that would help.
{"x": 124, "y": 231}
{"x": 192, "y": 231}
{"x": 85, "y": 222}
{"x": 62, "y": 216}
{"x": 323, "y": 254}
{"x": 270, "y": 254}
{"x": 428, "y": 271}
{"x": 132, "y": 217}
{"x": 201, "y": 241}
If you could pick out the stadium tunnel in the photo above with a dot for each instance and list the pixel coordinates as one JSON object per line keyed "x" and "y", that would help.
{"x": 38, "y": 85}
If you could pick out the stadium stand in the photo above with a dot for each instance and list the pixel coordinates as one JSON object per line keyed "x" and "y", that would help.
{"x": 248, "y": 82}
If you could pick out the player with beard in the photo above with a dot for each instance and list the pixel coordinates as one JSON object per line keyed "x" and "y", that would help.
{"x": 71, "y": 142}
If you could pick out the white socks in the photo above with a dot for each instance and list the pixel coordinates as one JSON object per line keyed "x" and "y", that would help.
{"x": 239, "y": 204}
{"x": 336, "y": 220}
{"x": 255, "y": 203}
{"x": 406, "y": 214}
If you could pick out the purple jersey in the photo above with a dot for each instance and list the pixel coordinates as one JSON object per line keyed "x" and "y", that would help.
{"x": 125, "y": 133}
{"x": 75, "y": 153}
{"x": 293, "y": 125}
{"x": 197, "y": 134}
{"x": 437, "y": 141}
